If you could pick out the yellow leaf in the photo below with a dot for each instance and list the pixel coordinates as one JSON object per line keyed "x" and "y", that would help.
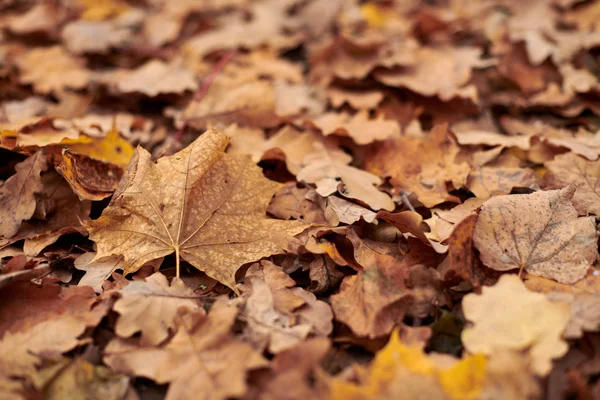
{"x": 111, "y": 148}
{"x": 402, "y": 371}
{"x": 374, "y": 15}
{"x": 97, "y": 10}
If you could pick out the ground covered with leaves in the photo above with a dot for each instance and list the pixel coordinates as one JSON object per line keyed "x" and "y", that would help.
{"x": 299, "y": 199}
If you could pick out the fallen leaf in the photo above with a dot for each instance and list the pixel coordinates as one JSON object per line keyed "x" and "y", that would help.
{"x": 508, "y": 317}
{"x": 374, "y": 300}
{"x": 346, "y": 212}
{"x": 52, "y": 69}
{"x": 193, "y": 195}
{"x": 154, "y": 78}
{"x": 150, "y": 307}
{"x": 78, "y": 379}
{"x": 403, "y": 371}
{"x": 90, "y": 179}
{"x": 582, "y": 298}
{"x": 291, "y": 202}
{"x": 328, "y": 168}
{"x": 539, "y": 233}
{"x": 202, "y": 357}
{"x": 431, "y": 164}
{"x": 486, "y": 182}
{"x": 96, "y": 272}
{"x": 570, "y": 169}
{"x": 18, "y": 194}
{"x": 58, "y": 211}
{"x": 411, "y": 222}
{"x": 361, "y": 128}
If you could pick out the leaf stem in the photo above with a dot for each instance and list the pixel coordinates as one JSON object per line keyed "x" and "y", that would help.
{"x": 177, "y": 261}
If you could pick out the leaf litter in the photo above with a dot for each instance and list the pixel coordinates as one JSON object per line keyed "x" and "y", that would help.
{"x": 332, "y": 199}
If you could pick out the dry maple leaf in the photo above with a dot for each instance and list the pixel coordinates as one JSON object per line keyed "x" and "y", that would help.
{"x": 405, "y": 371}
{"x": 202, "y": 358}
{"x": 359, "y": 127}
{"x": 507, "y": 316}
{"x": 486, "y": 182}
{"x": 18, "y": 194}
{"x": 570, "y": 169}
{"x": 150, "y": 307}
{"x": 205, "y": 206}
{"x": 539, "y": 233}
{"x": 154, "y": 78}
{"x": 420, "y": 165}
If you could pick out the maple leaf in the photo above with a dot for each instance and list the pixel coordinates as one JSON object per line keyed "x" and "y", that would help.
{"x": 202, "y": 357}
{"x": 507, "y": 316}
{"x": 405, "y": 371}
{"x": 359, "y": 127}
{"x": 420, "y": 165}
{"x": 205, "y": 206}
{"x": 539, "y": 233}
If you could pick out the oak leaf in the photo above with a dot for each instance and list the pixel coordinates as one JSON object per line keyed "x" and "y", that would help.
{"x": 207, "y": 207}
{"x": 359, "y": 127}
{"x": 405, "y": 371}
{"x": 420, "y": 165}
{"x": 154, "y": 78}
{"x": 202, "y": 357}
{"x": 150, "y": 307}
{"x": 539, "y": 233}
{"x": 507, "y": 316}
{"x": 567, "y": 169}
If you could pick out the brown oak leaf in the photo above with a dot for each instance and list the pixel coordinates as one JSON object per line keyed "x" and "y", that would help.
{"x": 539, "y": 233}
{"x": 205, "y": 206}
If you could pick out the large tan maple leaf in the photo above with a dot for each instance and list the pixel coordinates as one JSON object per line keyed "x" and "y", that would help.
{"x": 207, "y": 207}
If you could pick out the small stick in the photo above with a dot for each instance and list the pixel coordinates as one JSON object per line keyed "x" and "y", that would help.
{"x": 206, "y": 84}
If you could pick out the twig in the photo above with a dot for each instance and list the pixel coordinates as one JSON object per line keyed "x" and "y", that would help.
{"x": 206, "y": 84}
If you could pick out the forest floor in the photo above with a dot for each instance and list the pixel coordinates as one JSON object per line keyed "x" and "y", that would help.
{"x": 299, "y": 199}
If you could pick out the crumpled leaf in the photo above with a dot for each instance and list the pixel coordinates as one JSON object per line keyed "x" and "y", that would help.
{"x": 507, "y": 316}
{"x": 90, "y": 179}
{"x": 420, "y": 165}
{"x": 570, "y": 169}
{"x": 193, "y": 196}
{"x": 18, "y": 194}
{"x": 58, "y": 212}
{"x": 202, "y": 357}
{"x": 278, "y": 315}
{"x": 539, "y": 233}
{"x": 151, "y": 306}
{"x": 405, "y": 371}
{"x": 328, "y": 168}
{"x": 374, "y": 300}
